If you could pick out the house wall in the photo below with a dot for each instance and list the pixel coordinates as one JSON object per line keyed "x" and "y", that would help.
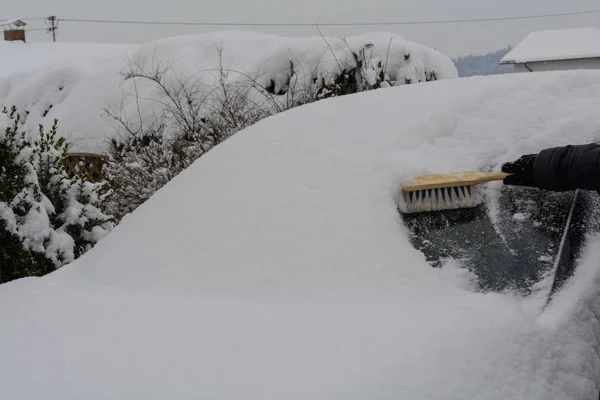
{"x": 14, "y": 34}
{"x": 588, "y": 63}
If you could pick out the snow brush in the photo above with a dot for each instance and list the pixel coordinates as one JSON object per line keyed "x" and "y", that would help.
{"x": 437, "y": 192}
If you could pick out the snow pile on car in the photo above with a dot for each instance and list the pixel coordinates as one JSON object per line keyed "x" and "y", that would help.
{"x": 277, "y": 266}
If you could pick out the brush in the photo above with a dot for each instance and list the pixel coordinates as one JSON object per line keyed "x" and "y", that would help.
{"x": 437, "y": 192}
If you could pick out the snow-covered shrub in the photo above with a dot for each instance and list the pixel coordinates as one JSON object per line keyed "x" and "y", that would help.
{"x": 366, "y": 73}
{"x": 192, "y": 117}
{"x": 138, "y": 167}
{"x": 152, "y": 149}
{"x": 47, "y": 219}
{"x": 329, "y": 67}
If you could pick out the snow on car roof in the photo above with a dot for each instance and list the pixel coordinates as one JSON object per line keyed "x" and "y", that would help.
{"x": 277, "y": 266}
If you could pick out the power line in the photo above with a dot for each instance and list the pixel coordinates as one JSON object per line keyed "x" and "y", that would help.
{"x": 25, "y": 19}
{"x": 424, "y": 22}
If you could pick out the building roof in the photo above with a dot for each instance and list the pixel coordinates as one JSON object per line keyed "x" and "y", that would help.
{"x": 563, "y": 44}
{"x": 14, "y": 21}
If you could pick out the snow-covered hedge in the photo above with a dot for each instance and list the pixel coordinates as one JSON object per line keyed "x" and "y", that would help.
{"x": 47, "y": 219}
{"x": 76, "y": 90}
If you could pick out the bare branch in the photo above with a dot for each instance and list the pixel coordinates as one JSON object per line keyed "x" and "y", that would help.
{"x": 328, "y": 45}
{"x": 387, "y": 56}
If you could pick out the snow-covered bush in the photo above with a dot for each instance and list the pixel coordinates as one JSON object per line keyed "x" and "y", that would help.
{"x": 138, "y": 167}
{"x": 325, "y": 67}
{"x": 151, "y": 150}
{"x": 72, "y": 83}
{"x": 366, "y": 73}
{"x": 47, "y": 219}
{"x": 189, "y": 118}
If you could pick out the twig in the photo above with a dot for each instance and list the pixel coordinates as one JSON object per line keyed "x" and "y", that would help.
{"x": 387, "y": 56}
{"x": 328, "y": 45}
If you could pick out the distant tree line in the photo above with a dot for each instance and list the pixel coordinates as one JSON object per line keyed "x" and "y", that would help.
{"x": 486, "y": 64}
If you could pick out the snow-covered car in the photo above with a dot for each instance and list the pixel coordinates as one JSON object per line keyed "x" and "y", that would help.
{"x": 278, "y": 266}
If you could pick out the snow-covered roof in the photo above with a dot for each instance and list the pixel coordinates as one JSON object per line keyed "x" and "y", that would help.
{"x": 14, "y": 21}
{"x": 562, "y": 44}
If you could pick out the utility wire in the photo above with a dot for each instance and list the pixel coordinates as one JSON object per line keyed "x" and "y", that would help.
{"x": 424, "y": 22}
{"x": 25, "y": 19}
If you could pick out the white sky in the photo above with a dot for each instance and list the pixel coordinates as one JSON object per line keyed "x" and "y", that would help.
{"x": 452, "y": 39}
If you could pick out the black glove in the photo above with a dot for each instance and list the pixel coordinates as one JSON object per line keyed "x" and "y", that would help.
{"x": 522, "y": 170}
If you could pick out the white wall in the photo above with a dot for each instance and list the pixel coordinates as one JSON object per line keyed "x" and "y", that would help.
{"x": 589, "y": 63}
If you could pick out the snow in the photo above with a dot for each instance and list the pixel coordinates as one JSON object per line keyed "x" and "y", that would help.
{"x": 14, "y": 21}
{"x": 520, "y": 216}
{"x": 76, "y": 82}
{"x": 35, "y": 56}
{"x": 277, "y": 266}
{"x": 562, "y": 44}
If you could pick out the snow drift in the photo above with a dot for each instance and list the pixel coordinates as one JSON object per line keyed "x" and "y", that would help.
{"x": 277, "y": 267}
{"x": 77, "y": 89}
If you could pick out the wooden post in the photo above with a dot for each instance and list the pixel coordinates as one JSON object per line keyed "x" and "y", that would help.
{"x": 87, "y": 164}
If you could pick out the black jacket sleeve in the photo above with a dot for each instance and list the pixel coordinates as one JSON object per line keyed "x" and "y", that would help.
{"x": 568, "y": 168}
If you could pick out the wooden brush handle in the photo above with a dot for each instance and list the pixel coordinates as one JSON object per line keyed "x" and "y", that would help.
{"x": 492, "y": 176}
{"x": 438, "y": 181}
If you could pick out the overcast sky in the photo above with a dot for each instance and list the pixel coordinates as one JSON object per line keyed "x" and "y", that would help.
{"x": 452, "y": 39}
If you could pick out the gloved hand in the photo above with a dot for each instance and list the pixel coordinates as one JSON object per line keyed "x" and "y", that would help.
{"x": 522, "y": 170}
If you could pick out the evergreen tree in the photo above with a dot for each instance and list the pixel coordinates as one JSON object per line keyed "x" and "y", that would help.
{"x": 23, "y": 208}
{"x": 47, "y": 219}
